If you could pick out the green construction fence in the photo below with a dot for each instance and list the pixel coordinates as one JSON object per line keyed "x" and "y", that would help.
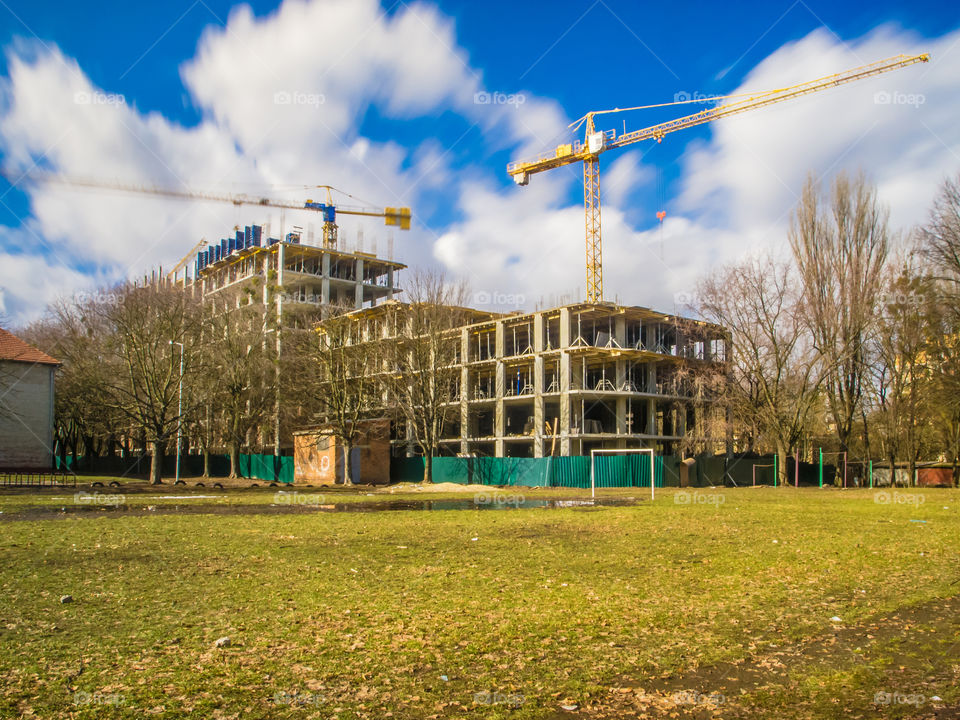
{"x": 611, "y": 471}
{"x": 271, "y": 468}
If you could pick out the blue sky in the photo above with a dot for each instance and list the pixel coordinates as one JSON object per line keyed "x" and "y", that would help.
{"x": 184, "y": 94}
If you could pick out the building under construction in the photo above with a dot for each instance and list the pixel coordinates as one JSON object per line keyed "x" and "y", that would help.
{"x": 559, "y": 381}
{"x": 568, "y": 380}
{"x": 300, "y": 281}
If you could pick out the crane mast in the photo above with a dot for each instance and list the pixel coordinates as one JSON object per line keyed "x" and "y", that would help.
{"x": 596, "y": 142}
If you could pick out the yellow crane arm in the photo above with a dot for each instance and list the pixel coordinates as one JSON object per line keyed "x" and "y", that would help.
{"x": 398, "y": 216}
{"x": 600, "y": 142}
{"x": 186, "y": 259}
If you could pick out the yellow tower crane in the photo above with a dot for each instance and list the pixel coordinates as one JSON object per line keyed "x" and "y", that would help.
{"x": 596, "y": 142}
{"x": 395, "y": 216}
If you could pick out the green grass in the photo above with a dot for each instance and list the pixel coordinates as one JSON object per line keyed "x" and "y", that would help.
{"x": 361, "y": 615}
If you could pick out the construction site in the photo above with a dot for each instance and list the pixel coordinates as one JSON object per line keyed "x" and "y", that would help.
{"x": 561, "y": 381}
{"x": 565, "y": 381}
{"x": 557, "y": 381}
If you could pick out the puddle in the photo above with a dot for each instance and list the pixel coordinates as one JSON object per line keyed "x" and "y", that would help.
{"x": 123, "y": 510}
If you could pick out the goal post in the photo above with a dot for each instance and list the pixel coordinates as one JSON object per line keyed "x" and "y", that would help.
{"x": 772, "y": 465}
{"x": 621, "y": 451}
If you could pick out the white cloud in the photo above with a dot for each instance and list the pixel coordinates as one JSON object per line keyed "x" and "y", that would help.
{"x": 30, "y": 280}
{"x": 752, "y": 170}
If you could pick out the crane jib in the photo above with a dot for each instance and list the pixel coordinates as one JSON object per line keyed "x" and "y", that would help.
{"x": 596, "y": 142}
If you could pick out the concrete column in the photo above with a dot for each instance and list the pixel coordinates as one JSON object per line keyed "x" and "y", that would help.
{"x": 620, "y": 330}
{"x": 620, "y": 379}
{"x": 499, "y": 421}
{"x": 390, "y": 284}
{"x": 464, "y": 391}
{"x": 281, "y": 256}
{"x": 564, "y": 382}
{"x": 325, "y": 279}
{"x": 266, "y": 279}
{"x": 358, "y": 288}
{"x": 538, "y": 419}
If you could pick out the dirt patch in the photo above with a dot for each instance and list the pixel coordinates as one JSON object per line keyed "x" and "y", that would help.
{"x": 913, "y": 652}
{"x": 53, "y": 512}
{"x": 435, "y": 488}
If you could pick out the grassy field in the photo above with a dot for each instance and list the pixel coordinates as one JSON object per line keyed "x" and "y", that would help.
{"x": 708, "y": 603}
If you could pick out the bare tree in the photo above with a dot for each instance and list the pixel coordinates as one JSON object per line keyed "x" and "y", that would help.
{"x": 74, "y": 333}
{"x": 424, "y": 358}
{"x": 142, "y": 378}
{"x": 341, "y": 374}
{"x": 941, "y": 236}
{"x": 940, "y": 245}
{"x": 239, "y": 388}
{"x": 840, "y": 252}
{"x": 774, "y": 374}
{"x": 907, "y": 312}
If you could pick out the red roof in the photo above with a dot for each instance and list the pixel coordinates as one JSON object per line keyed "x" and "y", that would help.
{"x": 14, "y": 349}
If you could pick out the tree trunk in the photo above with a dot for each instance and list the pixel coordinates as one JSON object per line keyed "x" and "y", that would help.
{"x": 427, "y": 468}
{"x": 234, "y": 459}
{"x": 347, "y": 447}
{"x": 156, "y": 460}
{"x": 782, "y": 458}
{"x": 206, "y": 461}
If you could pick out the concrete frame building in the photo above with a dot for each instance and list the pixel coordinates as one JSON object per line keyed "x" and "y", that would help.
{"x": 296, "y": 276}
{"x": 294, "y": 284}
{"x": 571, "y": 379}
{"x": 559, "y": 381}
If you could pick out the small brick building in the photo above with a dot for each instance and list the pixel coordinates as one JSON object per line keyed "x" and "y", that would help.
{"x": 318, "y": 456}
{"x": 26, "y": 405}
